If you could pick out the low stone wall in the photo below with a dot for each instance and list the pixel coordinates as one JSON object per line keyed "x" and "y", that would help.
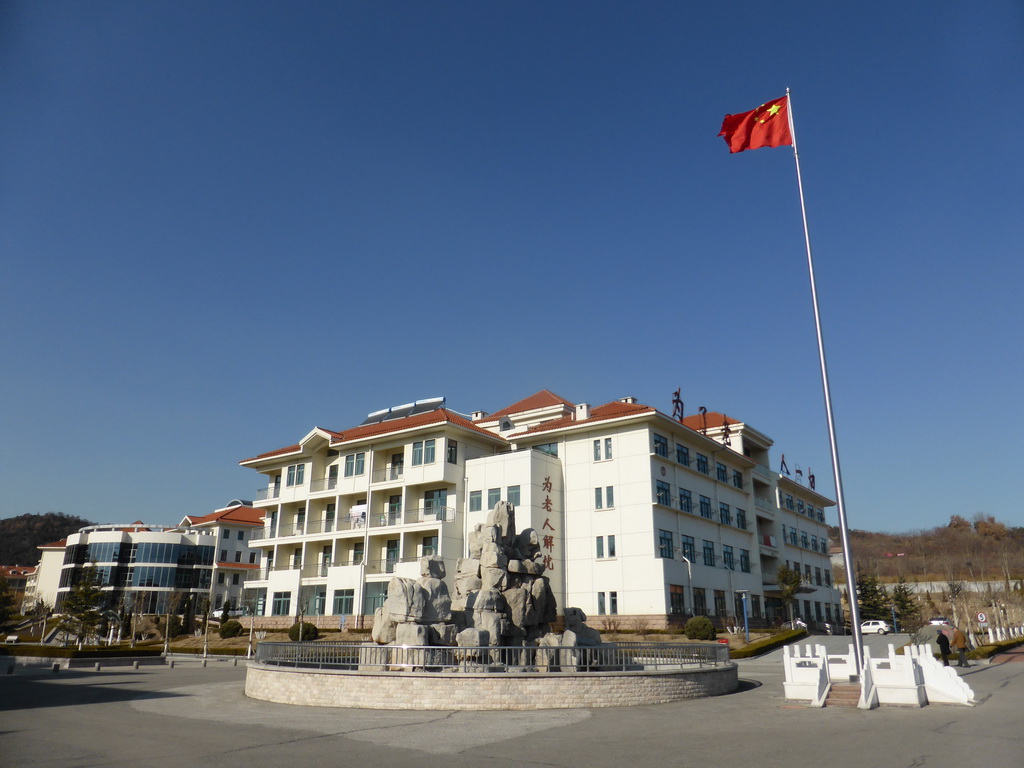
{"x": 468, "y": 691}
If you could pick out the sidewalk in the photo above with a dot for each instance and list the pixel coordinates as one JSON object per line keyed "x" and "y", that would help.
{"x": 200, "y": 717}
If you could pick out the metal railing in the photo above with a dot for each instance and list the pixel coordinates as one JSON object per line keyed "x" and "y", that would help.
{"x": 323, "y": 484}
{"x": 612, "y": 657}
{"x": 391, "y": 472}
{"x": 262, "y": 494}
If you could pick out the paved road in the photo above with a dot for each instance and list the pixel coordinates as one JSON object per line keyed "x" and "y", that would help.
{"x": 196, "y": 717}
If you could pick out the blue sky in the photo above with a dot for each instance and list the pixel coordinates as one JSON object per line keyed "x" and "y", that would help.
{"x": 223, "y": 224}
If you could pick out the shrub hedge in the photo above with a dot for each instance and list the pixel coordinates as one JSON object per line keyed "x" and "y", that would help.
{"x": 768, "y": 644}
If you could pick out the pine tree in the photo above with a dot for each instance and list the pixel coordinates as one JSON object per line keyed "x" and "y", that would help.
{"x": 872, "y": 599}
{"x": 908, "y": 611}
{"x": 81, "y": 610}
{"x": 8, "y": 606}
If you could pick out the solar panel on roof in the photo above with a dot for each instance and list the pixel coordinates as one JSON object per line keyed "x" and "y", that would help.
{"x": 402, "y": 411}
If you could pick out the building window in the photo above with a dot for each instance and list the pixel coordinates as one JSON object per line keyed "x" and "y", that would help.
{"x": 661, "y": 446}
{"x": 226, "y": 533}
{"x": 664, "y": 493}
{"x": 238, "y": 557}
{"x": 282, "y": 605}
{"x": 705, "y": 507}
{"x": 720, "y": 602}
{"x": 512, "y": 495}
{"x": 755, "y": 602}
{"x": 453, "y": 452}
{"x": 702, "y": 463}
{"x": 817, "y": 576}
{"x": 741, "y": 519}
{"x": 493, "y": 497}
{"x": 737, "y": 478}
{"x": 676, "y": 600}
{"x": 814, "y": 543}
{"x": 685, "y": 500}
{"x": 721, "y": 472}
{"x": 357, "y": 553}
{"x": 666, "y": 547}
{"x": 220, "y": 577}
{"x": 807, "y": 574}
{"x": 241, "y": 535}
{"x": 423, "y": 452}
{"x": 355, "y": 464}
{"x": 600, "y": 604}
{"x": 296, "y": 475}
{"x": 609, "y": 496}
{"x": 683, "y": 455}
{"x": 475, "y": 500}
{"x": 689, "y": 550}
{"x": 234, "y": 579}
{"x": 724, "y": 514}
{"x": 745, "y": 560}
{"x": 598, "y": 498}
{"x": 613, "y": 603}
{"x": 252, "y": 557}
{"x": 551, "y": 449}
{"x": 727, "y": 558}
{"x": 223, "y": 555}
{"x": 700, "y": 603}
{"x": 429, "y": 546}
{"x": 611, "y": 546}
{"x": 803, "y": 539}
{"x": 828, "y": 578}
{"x": 789, "y": 501}
{"x": 434, "y": 501}
{"x": 709, "y": 553}
{"x": 600, "y": 547}
{"x": 343, "y": 602}
{"x": 603, "y": 449}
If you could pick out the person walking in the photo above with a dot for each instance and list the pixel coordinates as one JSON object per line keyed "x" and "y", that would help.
{"x": 960, "y": 643}
{"x": 942, "y": 639}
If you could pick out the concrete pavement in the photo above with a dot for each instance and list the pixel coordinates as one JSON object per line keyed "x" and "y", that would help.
{"x": 199, "y": 717}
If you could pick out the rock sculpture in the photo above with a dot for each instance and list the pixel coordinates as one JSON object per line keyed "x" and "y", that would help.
{"x": 501, "y": 597}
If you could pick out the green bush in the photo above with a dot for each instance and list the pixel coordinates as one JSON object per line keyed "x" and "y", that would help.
{"x": 309, "y": 632}
{"x": 768, "y": 644}
{"x": 700, "y": 628}
{"x": 230, "y": 628}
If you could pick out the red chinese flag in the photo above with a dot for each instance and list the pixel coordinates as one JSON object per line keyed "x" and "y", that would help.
{"x": 766, "y": 126}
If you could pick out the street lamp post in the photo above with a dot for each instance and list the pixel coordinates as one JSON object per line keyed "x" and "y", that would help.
{"x": 689, "y": 577}
{"x": 746, "y": 623}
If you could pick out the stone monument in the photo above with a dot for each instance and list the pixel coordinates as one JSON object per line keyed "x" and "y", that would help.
{"x": 502, "y": 597}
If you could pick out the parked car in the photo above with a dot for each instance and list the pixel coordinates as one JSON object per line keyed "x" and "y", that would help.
{"x": 875, "y": 627}
{"x": 939, "y": 621}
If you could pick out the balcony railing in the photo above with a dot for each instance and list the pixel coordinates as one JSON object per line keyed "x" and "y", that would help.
{"x": 430, "y": 515}
{"x": 388, "y": 474}
{"x": 262, "y": 494}
{"x": 323, "y": 484}
{"x": 764, "y": 503}
{"x": 316, "y": 570}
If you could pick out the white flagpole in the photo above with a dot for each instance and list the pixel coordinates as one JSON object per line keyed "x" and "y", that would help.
{"x": 851, "y": 589}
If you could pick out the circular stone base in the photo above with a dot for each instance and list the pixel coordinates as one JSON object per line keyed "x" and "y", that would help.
{"x": 468, "y": 691}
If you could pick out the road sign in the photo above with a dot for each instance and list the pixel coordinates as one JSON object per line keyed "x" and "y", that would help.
{"x": 982, "y": 618}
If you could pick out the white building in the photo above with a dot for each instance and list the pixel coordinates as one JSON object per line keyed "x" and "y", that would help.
{"x": 231, "y": 526}
{"x": 140, "y": 567}
{"x": 640, "y": 515}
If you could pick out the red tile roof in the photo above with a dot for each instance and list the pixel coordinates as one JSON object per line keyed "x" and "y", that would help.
{"x": 236, "y": 515}
{"x": 7, "y": 571}
{"x": 54, "y": 545}
{"x": 613, "y": 410}
{"x": 543, "y": 399}
{"x": 268, "y": 454}
{"x": 711, "y": 419}
{"x": 439, "y": 416}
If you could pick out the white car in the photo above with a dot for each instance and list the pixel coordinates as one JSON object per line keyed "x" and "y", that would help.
{"x": 875, "y": 627}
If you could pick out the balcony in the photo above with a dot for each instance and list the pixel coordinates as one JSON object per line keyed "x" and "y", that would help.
{"x": 394, "y": 517}
{"x": 263, "y": 494}
{"x": 390, "y": 473}
{"x": 763, "y": 473}
{"x": 316, "y": 570}
{"x": 323, "y": 484}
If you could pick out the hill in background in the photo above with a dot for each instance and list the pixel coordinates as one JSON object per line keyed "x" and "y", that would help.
{"x": 20, "y": 536}
{"x": 982, "y": 549}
